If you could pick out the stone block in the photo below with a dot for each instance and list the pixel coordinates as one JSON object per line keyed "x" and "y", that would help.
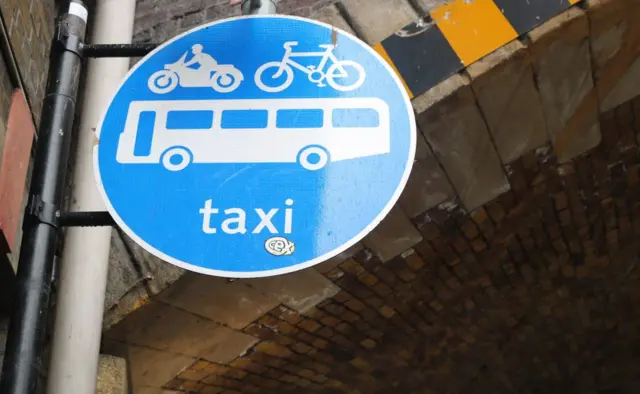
{"x": 378, "y": 19}
{"x": 428, "y": 184}
{"x": 153, "y": 390}
{"x": 158, "y": 274}
{"x": 429, "y": 5}
{"x": 134, "y": 299}
{"x": 392, "y": 236}
{"x": 302, "y": 8}
{"x": 328, "y": 265}
{"x": 235, "y": 304}
{"x": 148, "y": 367}
{"x": 331, "y": 16}
{"x": 561, "y": 62}
{"x": 112, "y": 375}
{"x": 300, "y": 291}
{"x": 615, "y": 47}
{"x": 505, "y": 90}
{"x": 453, "y": 126}
{"x": 122, "y": 275}
{"x": 226, "y": 345}
{"x": 163, "y": 327}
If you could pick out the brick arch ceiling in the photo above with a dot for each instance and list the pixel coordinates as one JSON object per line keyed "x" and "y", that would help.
{"x": 513, "y": 270}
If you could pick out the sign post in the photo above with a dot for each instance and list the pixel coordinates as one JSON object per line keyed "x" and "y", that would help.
{"x": 258, "y": 7}
{"x": 255, "y": 146}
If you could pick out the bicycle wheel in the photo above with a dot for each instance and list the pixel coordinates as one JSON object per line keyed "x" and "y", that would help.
{"x": 346, "y": 70}
{"x": 269, "y": 71}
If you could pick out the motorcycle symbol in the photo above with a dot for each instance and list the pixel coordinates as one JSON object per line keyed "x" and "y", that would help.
{"x": 225, "y": 78}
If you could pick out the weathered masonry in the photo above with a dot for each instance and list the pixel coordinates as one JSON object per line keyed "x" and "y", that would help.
{"x": 509, "y": 264}
{"x": 26, "y": 28}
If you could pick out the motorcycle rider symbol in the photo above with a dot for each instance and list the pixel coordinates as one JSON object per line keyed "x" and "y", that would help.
{"x": 223, "y": 78}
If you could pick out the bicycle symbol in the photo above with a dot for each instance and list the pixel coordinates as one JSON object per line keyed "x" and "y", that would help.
{"x": 316, "y": 74}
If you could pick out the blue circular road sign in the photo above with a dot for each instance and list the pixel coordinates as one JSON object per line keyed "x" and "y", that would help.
{"x": 255, "y": 146}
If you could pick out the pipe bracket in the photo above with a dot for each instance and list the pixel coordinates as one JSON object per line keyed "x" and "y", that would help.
{"x": 43, "y": 211}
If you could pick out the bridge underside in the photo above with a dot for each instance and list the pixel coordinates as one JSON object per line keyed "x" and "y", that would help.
{"x": 510, "y": 264}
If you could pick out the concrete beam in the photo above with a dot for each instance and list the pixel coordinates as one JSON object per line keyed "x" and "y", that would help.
{"x": 428, "y": 185}
{"x": 233, "y": 304}
{"x": 377, "y": 19}
{"x": 112, "y": 375}
{"x": 300, "y": 291}
{"x": 615, "y": 45}
{"x": 165, "y": 328}
{"x": 562, "y": 64}
{"x": 148, "y": 367}
{"x": 507, "y": 96}
{"x": 453, "y": 126}
{"x": 394, "y": 235}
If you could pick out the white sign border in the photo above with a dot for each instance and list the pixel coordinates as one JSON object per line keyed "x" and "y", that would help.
{"x": 279, "y": 271}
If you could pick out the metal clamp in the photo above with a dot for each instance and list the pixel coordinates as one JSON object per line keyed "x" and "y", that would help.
{"x": 69, "y": 42}
{"x": 43, "y": 211}
{"x": 86, "y": 219}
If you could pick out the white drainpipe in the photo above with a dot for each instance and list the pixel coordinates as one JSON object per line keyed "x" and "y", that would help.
{"x": 83, "y": 272}
{"x": 85, "y": 261}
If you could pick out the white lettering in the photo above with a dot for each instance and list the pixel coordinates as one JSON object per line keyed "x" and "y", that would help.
{"x": 265, "y": 221}
{"x": 207, "y": 211}
{"x": 235, "y": 219}
{"x": 288, "y": 216}
{"x": 240, "y": 221}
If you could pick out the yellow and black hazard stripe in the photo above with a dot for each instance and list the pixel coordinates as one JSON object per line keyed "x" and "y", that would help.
{"x": 459, "y": 33}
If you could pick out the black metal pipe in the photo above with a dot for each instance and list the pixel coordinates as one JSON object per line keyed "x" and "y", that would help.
{"x": 86, "y": 219}
{"x": 117, "y": 50}
{"x": 25, "y": 343}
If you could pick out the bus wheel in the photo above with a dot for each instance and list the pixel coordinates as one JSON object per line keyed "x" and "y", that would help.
{"x": 176, "y": 159}
{"x": 313, "y": 158}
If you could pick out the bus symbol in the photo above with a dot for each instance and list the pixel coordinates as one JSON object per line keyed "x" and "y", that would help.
{"x": 310, "y": 132}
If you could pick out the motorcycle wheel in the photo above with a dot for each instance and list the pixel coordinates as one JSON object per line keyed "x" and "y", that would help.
{"x": 163, "y": 81}
{"x": 226, "y": 82}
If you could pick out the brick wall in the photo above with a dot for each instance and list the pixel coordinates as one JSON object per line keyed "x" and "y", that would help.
{"x": 508, "y": 266}
{"x": 5, "y": 97}
{"x": 29, "y": 24}
{"x": 534, "y": 291}
{"x": 30, "y": 27}
{"x": 159, "y": 20}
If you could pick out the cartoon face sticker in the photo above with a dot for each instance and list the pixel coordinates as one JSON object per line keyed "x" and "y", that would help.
{"x": 279, "y": 246}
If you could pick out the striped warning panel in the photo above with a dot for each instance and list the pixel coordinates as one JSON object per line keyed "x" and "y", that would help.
{"x": 459, "y": 33}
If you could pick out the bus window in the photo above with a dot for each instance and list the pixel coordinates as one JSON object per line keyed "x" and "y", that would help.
{"x": 244, "y": 119}
{"x": 355, "y": 117}
{"x": 189, "y": 120}
{"x": 299, "y": 118}
{"x": 144, "y": 135}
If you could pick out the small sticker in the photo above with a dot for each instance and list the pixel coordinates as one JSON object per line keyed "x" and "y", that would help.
{"x": 78, "y": 10}
{"x": 279, "y": 246}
